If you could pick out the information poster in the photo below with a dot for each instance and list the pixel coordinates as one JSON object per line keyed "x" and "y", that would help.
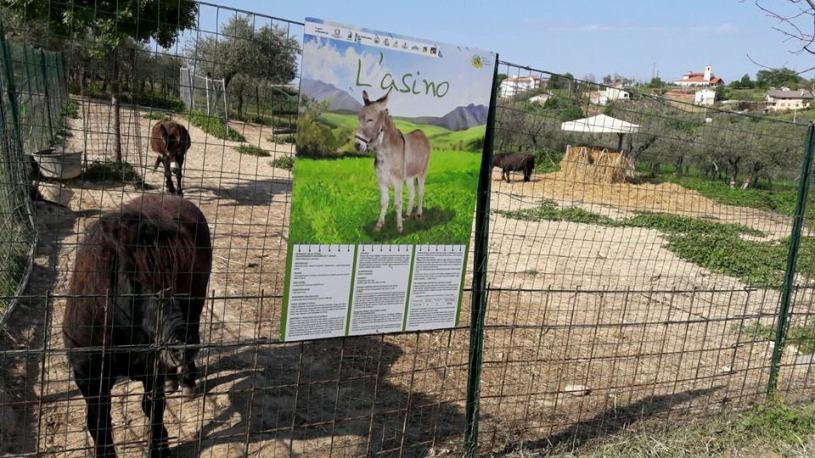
{"x": 390, "y": 135}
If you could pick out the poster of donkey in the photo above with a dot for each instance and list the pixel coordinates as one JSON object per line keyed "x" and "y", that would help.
{"x": 389, "y": 138}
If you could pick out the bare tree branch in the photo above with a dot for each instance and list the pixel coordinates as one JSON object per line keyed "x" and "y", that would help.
{"x": 796, "y": 24}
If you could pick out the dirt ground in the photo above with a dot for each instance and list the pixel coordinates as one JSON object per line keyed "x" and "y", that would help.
{"x": 585, "y": 323}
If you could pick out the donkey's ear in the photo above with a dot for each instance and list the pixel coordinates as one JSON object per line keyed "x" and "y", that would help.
{"x": 384, "y": 99}
{"x": 365, "y": 98}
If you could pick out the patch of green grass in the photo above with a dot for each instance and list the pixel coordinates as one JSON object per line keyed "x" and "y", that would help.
{"x": 718, "y": 247}
{"x": 800, "y": 335}
{"x": 751, "y": 95}
{"x": 252, "y": 150}
{"x": 676, "y": 224}
{"x": 214, "y": 126}
{"x": 471, "y": 139}
{"x": 111, "y": 171}
{"x": 779, "y": 422}
{"x": 15, "y": 258}
{"x": 70, "y": 109}
{"x": 781, "y": 199}
{"x": 771, "y": 428}
{"x": 337, "y": 201}
{"x": 548, "y": 161}
{"x": 549, "y": 211}
{"x": 283, "y": 138}
{"x": 155, "y": 115}
{"x": 283, "y": 162}
{"x": 664, "y": 222}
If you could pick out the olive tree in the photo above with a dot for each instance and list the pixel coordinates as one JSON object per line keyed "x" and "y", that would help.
{"x": 110, "y": 24}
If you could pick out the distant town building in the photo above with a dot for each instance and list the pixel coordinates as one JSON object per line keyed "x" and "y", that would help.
{"x": 784, "y": 99}
{"x": 540, "y": 99}
{"x": 608, "y": 95}
{"x": 704, "y": 97}
{"x": 513, "y": 85}
{"x": 694, "y": 79}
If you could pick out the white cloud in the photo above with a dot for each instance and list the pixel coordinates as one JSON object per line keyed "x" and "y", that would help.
{"x": 327, "y": 64}
{"x": 323, "y": 61}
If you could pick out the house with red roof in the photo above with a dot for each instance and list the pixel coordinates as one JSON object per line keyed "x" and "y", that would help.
{"x": 706, "y": 78}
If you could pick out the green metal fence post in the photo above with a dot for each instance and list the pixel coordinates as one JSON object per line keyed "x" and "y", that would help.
{"x": 479, "y": 299}
{"x": 45, "y": 82}
{"x": 11, "y": 90}
{"x": 792, "y": 259}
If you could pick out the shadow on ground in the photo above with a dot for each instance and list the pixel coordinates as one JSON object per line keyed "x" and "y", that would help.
{"x": 253, "y": 192}
{"x": 336, "y": 394}
{"x": 19, "y": 375}
{"x": 431, "y": 218}
{"x": 611, "y": 421}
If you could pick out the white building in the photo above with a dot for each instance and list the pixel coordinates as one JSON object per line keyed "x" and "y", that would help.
{"x": 513, "y": 85}
{"x": 608, "y": 95}
{"x": 704, "y": 97}
{"x": 694, "y": 79}
{"x": 540, "y": 99}
{"x": 784, "y": 99}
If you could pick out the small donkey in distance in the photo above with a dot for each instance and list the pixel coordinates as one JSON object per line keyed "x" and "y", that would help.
{"x": 171, "y": 141}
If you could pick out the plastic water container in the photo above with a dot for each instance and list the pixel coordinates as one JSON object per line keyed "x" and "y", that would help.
{"x": 58, "y": 163}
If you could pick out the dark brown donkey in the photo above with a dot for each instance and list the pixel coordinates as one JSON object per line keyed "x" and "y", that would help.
{"x": 171, "y": 141}
{"x": 513, "y": 162}
{"x": 133, "y": 308}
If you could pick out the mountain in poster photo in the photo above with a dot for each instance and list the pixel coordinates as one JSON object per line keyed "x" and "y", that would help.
{"x": 460, "y": 118}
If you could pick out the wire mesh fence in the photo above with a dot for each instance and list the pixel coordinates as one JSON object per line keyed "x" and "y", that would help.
{"x": 637, "y": 251}
{"x": 33, "y": 105}
{"x": 640, "y": 276}
{"x": 202, "y": 93}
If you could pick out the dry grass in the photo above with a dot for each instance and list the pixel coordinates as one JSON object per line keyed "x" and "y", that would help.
{"x": 768, "y": 429}
{"x": 595, "y": 164}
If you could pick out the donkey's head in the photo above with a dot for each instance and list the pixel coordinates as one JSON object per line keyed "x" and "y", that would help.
{"x": 164, "y": 324}
{"x": 371, "y": 122}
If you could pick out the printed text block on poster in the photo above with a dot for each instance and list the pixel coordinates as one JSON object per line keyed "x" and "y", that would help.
{"x": 434, "y": 294}
{"x": 319, "y": 291}
{"x": 380, "y": 288}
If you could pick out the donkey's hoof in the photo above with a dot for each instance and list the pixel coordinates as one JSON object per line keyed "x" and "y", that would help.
{"x": 187, "y": 391}
{"x": 170, "y": 386}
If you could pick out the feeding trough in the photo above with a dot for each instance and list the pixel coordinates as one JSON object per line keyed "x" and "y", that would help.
{"x": 59, "y": 164}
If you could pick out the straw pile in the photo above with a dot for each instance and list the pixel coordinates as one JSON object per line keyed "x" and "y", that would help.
{"x": 590, "y": 164}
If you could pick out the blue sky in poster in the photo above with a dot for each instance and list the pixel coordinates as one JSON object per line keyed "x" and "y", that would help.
{"x": 346, "y": 64}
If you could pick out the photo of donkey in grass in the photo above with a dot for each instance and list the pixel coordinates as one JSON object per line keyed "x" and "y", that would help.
{"x": 400, "y": 158}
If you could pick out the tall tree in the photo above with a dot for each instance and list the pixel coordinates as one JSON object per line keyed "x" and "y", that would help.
{"x": 267, "y": 53}
{"x": 778, "y": 77}
{"x": 110, "y": 24}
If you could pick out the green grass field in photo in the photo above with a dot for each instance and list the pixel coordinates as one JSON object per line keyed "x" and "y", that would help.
{"x": 337, "y": 201}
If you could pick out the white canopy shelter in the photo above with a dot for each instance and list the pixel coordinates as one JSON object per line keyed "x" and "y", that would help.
{"x": 601, "y": 124}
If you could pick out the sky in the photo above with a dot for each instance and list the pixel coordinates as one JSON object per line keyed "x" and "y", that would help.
{"x": 418, "y": 85}
{"x": 635, "y": 38}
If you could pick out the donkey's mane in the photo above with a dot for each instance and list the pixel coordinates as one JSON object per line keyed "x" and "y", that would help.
{"x": 147, "y": 243}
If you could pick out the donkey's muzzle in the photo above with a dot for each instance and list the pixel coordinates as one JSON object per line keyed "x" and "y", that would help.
{"x": 360, "y": 144}
{"x": 173, "y": 354}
